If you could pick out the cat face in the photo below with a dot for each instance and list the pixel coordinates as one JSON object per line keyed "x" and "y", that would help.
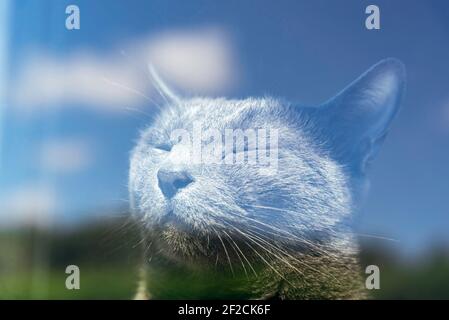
{"x": 302, "y": 194}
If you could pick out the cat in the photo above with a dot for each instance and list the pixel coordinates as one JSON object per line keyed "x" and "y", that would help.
{"x": 216, "y": 230}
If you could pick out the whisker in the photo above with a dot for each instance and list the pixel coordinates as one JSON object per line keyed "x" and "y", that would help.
{"x": 226, "y": 251}
{"x": 267, "y": 263}
{"x": 375, "y": 237}
{"x": 126, "y": 88}
{"x": 272, "y": 246}
{"x": 232, "y": 243}
{"x": 160, "y": 86}
{"x": 295, "y": 237}
{"x": 295, "y": 259}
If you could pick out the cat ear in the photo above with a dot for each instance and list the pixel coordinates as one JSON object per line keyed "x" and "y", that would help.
{"x": 165, "y": 92}
{"x": 358, "y": 118}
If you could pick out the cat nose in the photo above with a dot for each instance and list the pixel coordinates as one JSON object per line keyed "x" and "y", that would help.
{"x": 171, "y": 181}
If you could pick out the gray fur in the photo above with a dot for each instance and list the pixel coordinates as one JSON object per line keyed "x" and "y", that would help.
{"x": 237, "y": 231}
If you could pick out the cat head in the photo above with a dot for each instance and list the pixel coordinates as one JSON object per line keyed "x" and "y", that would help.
{"x": 286, "y": 173}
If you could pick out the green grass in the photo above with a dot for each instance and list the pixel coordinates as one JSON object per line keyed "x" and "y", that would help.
{"x": 96, "y": 283}
{"x": 33, "y": 262}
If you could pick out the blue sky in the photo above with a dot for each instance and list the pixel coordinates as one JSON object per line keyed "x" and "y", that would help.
{"x": 305, "y": 51}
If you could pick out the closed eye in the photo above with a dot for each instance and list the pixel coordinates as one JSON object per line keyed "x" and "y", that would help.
{"x": 164, "y": 147}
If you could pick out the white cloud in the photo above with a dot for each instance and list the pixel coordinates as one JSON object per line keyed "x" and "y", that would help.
{"x": 201, "y": 61}
{"x": 66, "y": 155}
{"x": 28, "y": 205}
{"x": 49, "y": 82}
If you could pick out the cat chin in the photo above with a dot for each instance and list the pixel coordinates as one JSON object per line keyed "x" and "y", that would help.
{"x": 195, "y": 251}
{"x": 174, "y": 241}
